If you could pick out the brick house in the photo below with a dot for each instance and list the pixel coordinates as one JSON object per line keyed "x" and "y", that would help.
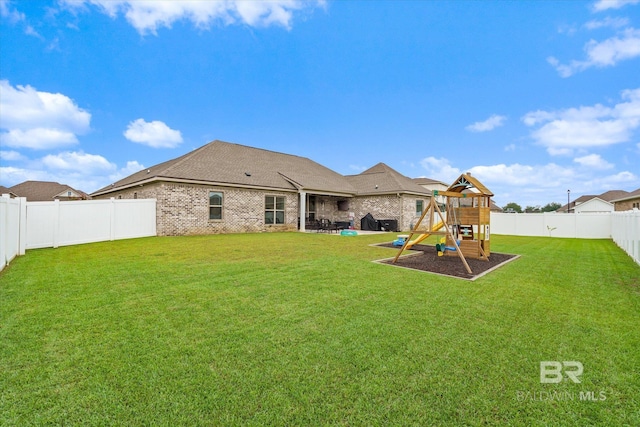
{"x": 627, "y": 202}
{"x": 223, "y": 187}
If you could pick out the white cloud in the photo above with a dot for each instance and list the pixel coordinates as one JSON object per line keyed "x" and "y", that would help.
{"x": 598, "y": 125}
{"x": 155, "y": 134}
{"x": 594, "y": 161}
{"x": 38, "y": 138}
{"x": 607, "y": 22}
{"x": 78, "y": 161}
{"x": 12, "y": 175}
{"x": 517, "y": 175}
{"x": 601, "y": 5}
{"x": 603, "y": 54}
{"x": 611, "y": 182}
{"x": 11, "y": 156}
{"x": 86, "y": 172}
{"x": 439, "y": 169}
{"x": 9, "y": 13}
{"x": 39, "y": 120}
{"x": 491, "y": 123}
{"x": 131, "y": 168}
{"x": 148, "y": 16}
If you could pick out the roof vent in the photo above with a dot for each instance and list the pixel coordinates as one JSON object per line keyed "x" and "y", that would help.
{"x": 148, "y": 170}
{"x": 247, "y": 173}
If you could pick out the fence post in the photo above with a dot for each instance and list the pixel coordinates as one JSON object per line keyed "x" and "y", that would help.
{"x": 22, "y": 223}
{"x": 4, "y": 227}
{"x": 112, "y": 218}
{"x": 56, "y": 222}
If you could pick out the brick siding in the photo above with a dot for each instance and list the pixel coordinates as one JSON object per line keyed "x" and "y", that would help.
{"x": 183, "y": 209}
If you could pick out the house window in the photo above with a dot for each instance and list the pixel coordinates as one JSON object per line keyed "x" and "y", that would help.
{"x": 419, "y": 207}
{"x": 274, "y": 210}
{"x": 135, "y": 195}
{"x": 215, "y": 205}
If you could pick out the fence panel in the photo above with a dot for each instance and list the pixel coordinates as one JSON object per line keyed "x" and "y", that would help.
{"x": 81, "y": 222}
{"x": 625, "y": 231}
{"x": 579, "y": 225}
{"x": 11, "y": 211}
{"x": 53, "y": 224}
{"x": 41, "y": 224}
{"x": 134, "y": 218}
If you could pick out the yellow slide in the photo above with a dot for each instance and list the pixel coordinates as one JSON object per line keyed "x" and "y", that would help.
{"x": 421, "y": 237}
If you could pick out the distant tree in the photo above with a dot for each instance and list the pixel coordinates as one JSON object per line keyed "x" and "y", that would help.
{"x": 532, "y": 209}
{"x": 512, "y": 207}
{"x": 551, "y": 207}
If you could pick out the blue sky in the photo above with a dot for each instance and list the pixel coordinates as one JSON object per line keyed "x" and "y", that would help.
{"x": 533, "y": 98}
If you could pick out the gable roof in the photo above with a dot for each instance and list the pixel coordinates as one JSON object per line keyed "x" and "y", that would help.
{"x": 466, "y": 181}
{"x": 613, "y": 195}
{"x": 608, "y": 196}
{"x": 5, "y": 190}
{"x": 382, "y": 179}
{"x": 597, "y": 201}
{"x": 629, "y": 196}
{"x": 46, "y": 191}
{"x": 225, "y": 163}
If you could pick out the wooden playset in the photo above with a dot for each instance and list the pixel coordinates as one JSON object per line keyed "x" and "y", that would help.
{"x": 463, "y": 221}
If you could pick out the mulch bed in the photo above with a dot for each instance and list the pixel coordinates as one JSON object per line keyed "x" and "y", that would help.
{"x": 425, "y": 258}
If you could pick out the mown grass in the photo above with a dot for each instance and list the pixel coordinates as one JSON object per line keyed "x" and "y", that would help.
{"x": 302, "y": 329}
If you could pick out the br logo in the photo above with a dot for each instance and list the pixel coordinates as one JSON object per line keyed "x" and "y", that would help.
{"x": 551, "y": 372}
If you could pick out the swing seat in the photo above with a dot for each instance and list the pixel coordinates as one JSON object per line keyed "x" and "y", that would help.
{"x": 441, "y": 247}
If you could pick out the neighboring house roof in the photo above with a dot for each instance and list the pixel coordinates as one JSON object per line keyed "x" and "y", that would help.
{"x": 613, "y": 195}
{"x": 45, "y": 191}
{"x": 428, "y": 181}
{"x": 629, "y": 196}
{"x": 608, "y": 196}
{"x": 466, "y": 181}
{"x": 224, "y": 163}
{"x": 5, "y": 190}
{"x": 382, "y": 179}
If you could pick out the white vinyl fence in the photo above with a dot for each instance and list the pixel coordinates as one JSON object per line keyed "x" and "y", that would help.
{"x": 622, "y": 227}
{"x": 31, "y": 225}
{"x": 551, "y": 224}
{"x": 11, "y": 210}
{"x": 625, "y": 231}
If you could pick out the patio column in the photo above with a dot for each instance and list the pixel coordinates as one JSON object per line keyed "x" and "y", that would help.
{"x": 303, "y": 210}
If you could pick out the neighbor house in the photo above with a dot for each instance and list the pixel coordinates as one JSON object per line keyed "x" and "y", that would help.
{"x": 594, "y": 203}
{"x": 47, "y": 191}
{"x": 224, "y": 187}
{"x": 5, "y": 190}
{"x": 627, "y": 202}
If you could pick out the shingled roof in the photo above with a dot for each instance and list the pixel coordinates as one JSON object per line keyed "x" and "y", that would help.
{"x": 382, "y": 179}
{"x": 46, "y": 191}
{"x": 632, "y": 195}
{"x": 224, "y": 163}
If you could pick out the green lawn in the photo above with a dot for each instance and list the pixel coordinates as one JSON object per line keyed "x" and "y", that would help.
{"x": 302, "y": 329}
